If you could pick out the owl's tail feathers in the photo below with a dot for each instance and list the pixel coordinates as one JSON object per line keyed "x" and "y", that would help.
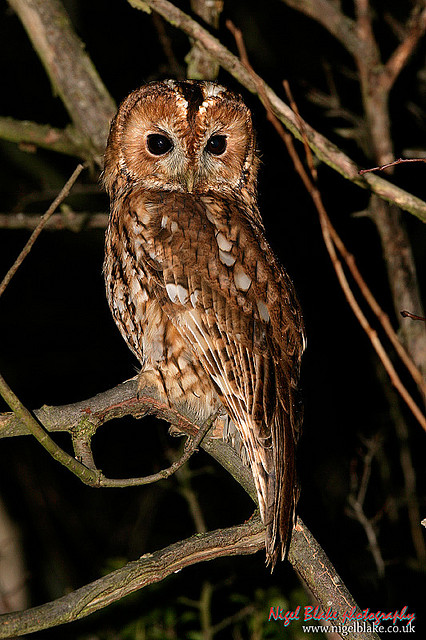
{"x": 282, "y": 493}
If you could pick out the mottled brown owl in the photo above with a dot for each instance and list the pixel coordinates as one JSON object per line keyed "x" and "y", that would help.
{"x": 193, "y": 285}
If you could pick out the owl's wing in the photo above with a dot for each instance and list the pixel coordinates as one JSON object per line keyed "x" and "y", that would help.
{"x": 221, "y": 286}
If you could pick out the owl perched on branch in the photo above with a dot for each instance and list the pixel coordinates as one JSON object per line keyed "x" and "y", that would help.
{"x": 193, "y": 285}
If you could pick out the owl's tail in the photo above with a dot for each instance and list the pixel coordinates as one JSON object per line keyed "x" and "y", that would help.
{"x": 282, "y": 493}
{"x": 283, "y": 422}
{"x": 266, "y": 438}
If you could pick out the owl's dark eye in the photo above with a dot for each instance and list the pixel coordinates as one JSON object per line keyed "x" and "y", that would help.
{"x": 158, "y": 144}
{"x": 216, "y": 145}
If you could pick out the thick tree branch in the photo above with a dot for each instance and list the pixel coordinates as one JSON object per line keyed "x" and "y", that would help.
{"x": 72, "y": 73}
{"x": 68, "y": 141}
{"x": 305, "y": 554}
{"x": 201, "y": 65}
{"x": 329, "y": 16}
{"x": 149, "y": 569}
{"x": 323, "y": 148}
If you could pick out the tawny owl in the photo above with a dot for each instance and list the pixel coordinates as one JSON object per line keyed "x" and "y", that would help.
{"x": 193, "y": 285}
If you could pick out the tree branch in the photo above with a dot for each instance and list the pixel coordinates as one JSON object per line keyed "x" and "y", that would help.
{"x": 71, "y": 72}
{"x": 70, "y": 220}
{"x": 329, "y": 16}
{"x": 149, "y": 569}
{"x": 68, "y": 141}
{"x": 201, "y": 65}
{"x": 332, "y": 240}
{"x": 398, "y": 59}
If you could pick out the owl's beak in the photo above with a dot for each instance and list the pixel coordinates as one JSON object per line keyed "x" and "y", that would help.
{"x": 190, "y": 180}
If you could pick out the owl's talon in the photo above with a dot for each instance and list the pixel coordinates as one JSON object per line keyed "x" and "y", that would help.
{"x": 154, "y": 382}
{"x": 175, "y": 432}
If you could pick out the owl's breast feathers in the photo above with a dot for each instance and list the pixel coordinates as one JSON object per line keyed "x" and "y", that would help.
{"x": 204, "y": 262}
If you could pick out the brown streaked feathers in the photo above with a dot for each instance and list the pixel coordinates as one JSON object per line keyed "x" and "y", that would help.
{"x": 193, "y": 285}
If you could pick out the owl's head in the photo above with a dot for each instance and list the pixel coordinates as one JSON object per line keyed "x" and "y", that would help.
{"x": 188, "y": 136}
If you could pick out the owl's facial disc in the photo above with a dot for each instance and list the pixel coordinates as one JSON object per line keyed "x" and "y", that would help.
{"x": 184, "y": 136}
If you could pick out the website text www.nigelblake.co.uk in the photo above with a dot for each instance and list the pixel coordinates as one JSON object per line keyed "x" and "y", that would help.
{"x": 351, "y": 621}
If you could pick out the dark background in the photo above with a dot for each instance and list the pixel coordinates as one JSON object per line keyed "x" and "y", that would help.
{"x": 59, "y": 343}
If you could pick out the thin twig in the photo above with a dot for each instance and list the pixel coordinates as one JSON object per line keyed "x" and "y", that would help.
{"x": 376, "y": 308}
{"x": 185, "y": 488}
{"x": 55, "y": 204}
{"x": 356, "y": 274}
{"x": 243, "y": 613}
{"x": 391, "y": 164}
{"x": 399, "y": 57}
{"x": 359, "y": 515}
{"x": 66, "y": 220}
{"x": 408, "y": 314}
{"x": 175, "y": 68}
{"x": 412, "y": 496}
{"x": 356, "y": 501}
{"x": 375, "y": 341}
{"x": 190, "y": 448}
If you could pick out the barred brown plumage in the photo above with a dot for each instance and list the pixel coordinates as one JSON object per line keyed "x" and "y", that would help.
{"x": 193, "y": 285}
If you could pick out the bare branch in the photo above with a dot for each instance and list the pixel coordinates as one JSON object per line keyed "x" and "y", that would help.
{"x": 329, "y": 16}
{"x": 305, "y": 554}
{"x": 408, "y": 314}
{"x": 381, "y": 315}
{"x": 376, "y": 80}
{"x": 190, "y": 448}
{"x": 70, "y": 220}
{"x": 88, "y": 476}
{"x": 68, "y": 141}
{"x": 149, "y": 569}
{"x": 400, "y": 265}
{"x": 392, "y": 164}
{"x": 69, "y": 68}
{"x": 177, "y": 70}
{"x": 201, "y": 65}
{"x": 399, "y": 58}
{"x": 356, "y": 501}
{"x": 374, "y": 339}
